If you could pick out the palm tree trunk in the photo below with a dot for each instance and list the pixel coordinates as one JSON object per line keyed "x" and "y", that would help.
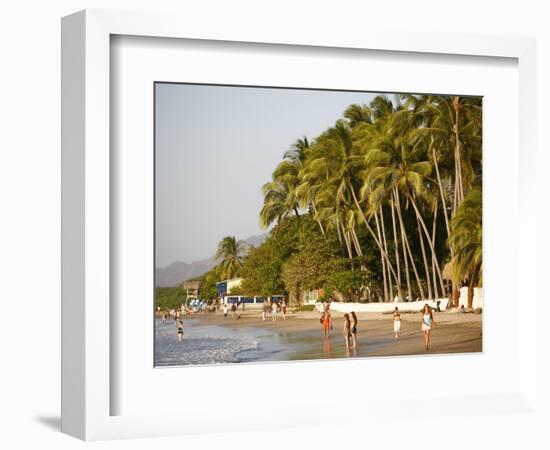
{"x": 371, "y": 231}
{"x": 429, "y": 241}
{"x": 397, "y": 262}
{"x": 426, "y": 268}
{"x": 340, "y": 237}
{"x": 358, "y": 248}
{"x": 403, "y": 243}
{"x": 382, "y": 259}
{"x": 443, "y": 201}
{"x": 424, "y": 259}
{"x": 445, "y": 214}
{"x": 348, "y": 246}
{"x": 383, "y": 226}
{"x": 317, "y": 220}
{"x": 458, "y": 157}
{"x": 436, "y": 293}
{"x": 413, "y": 265}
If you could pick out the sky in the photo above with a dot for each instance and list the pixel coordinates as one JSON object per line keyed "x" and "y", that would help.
{"x": 215, "y": 148}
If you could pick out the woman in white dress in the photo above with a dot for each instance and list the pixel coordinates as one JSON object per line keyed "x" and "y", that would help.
{"x": 396, "y": 322}
{"x": 428, "y": 323}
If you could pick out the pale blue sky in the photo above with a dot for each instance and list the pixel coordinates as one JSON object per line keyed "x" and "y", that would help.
{"x": 215, "y": 147}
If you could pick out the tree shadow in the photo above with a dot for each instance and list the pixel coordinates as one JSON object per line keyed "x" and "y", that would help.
{"x": 51, "y": 422}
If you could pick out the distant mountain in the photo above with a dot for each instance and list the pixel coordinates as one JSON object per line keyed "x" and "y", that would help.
{"x": 176, "y": 273}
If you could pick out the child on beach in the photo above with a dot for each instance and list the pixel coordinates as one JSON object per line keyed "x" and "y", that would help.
{"x": 396, "y": 322}
{"x": 347, "y": 330}
{"x": 427, "y": 324}
{"x": 180, "y": 330}
{"x": 225, "y": 311}
{"x": 353, "y": 330}
{"x": 283, "y": 310}
{"x": 274, "y": 311}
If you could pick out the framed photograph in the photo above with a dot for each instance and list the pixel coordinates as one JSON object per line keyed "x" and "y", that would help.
{"x": 251, "y": 219}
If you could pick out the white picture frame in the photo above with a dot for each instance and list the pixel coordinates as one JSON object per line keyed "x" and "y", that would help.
{"x": 86, "y": 220}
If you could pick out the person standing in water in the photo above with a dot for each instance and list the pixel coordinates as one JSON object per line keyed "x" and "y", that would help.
{"x": 347, "y": 330}
{"x": 428, "y": 323}
{"x": 396, "y": 322}
{"x": 353, "y": 330}
{"x": 180, "y": 330}
{"x": 325, "y": 322}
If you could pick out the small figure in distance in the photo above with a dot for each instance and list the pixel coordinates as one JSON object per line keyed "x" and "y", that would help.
{"x": 353, "y": 330}
{"x": 180, "y": 330}
{"x": 396, "y": 322}
{"x": 346, "y": 332}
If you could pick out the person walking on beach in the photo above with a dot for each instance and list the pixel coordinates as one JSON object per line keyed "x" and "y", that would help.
{"x": 283, "y": 310}
{"x": 427, "y": 324}
{"x": 353, "y": 330}
{"x": 396, "y": 322}
{"x": 327, "y": 312}
{"x": 225, "y": 311}
{"x": 180, "y": 330}
{"x": 325, "y": 322}
{"x": 347, "y": 330}
{"x": 274, "y": 311}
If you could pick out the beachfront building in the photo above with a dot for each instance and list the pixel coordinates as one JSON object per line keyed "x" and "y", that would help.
{"x": 191, "y": 288}
{"x": 226, "y": 287}
{"x": 312, "y": 297}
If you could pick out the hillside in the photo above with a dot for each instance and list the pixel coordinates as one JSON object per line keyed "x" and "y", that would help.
{"x": 177, "y": 272}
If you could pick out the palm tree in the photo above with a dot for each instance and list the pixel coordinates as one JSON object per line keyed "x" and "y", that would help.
{"x": 280, "y": 194}
{"x": 451, "y": 126}
{"x": 397, "y": 167}
{"x": 466, "y": 241}
{"x": 230, "y": 253}
{"x": 332, "y": 157}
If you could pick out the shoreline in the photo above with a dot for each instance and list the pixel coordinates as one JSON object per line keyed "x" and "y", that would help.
{"x": 453, "y": 333}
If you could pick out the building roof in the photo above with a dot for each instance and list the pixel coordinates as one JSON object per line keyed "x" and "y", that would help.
{"x": 230, "y": 279}
{"x": 191, "y": 284}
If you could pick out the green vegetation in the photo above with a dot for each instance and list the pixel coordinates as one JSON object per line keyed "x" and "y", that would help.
{"x": 388, "y": 178}
{"x": 169, "y": 298}
{"x": 377, "y": 206}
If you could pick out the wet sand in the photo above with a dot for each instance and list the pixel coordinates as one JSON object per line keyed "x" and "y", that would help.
{"x": 453, "y": 333}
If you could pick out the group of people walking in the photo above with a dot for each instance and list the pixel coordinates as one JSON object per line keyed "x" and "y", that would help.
{"x": 274, "y": 308}
{"x": 349, "y": 330}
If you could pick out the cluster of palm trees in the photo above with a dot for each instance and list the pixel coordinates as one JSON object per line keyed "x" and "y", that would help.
{"x": 402, "y": 175}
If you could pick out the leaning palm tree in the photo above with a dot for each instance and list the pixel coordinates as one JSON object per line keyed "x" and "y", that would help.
{"x": 466, "y": 241}
{"x": 230, "y": 253}
{"x": 280, "y": 194}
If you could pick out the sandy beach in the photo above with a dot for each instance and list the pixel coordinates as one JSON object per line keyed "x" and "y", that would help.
{"x": 300, "y": 335}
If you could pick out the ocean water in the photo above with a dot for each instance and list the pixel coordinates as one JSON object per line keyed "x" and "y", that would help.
{"x": 212, "y": 344}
